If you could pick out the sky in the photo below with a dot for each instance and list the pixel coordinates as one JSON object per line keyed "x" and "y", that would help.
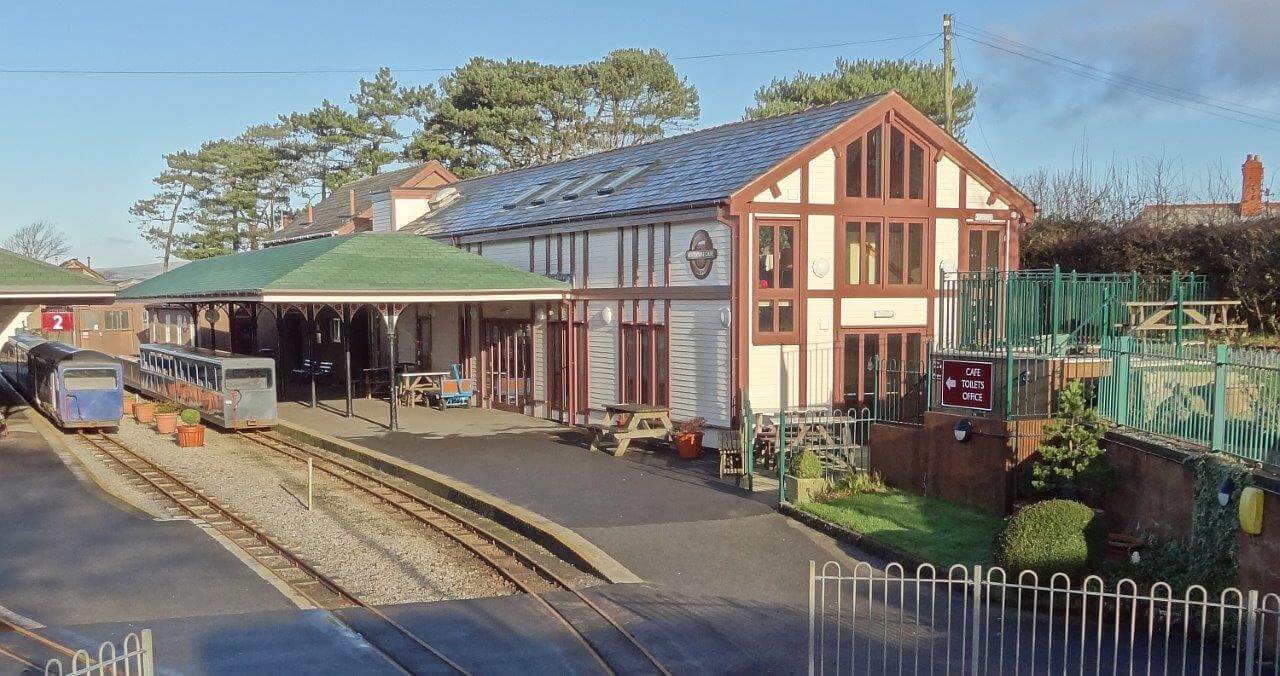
{"x": 78, "y": 150}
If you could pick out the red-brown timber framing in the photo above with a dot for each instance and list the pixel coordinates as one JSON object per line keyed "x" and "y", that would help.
{"x": 741, "y": 209}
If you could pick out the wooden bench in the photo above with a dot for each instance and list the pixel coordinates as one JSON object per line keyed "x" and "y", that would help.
{"x": 624, "y": 423}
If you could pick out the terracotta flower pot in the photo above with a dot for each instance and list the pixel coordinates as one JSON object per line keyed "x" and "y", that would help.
{"x": 166, "y": 423}
{"x": 128, "y": 405}
{"x": 190, "y": 436}
{"x": 689, "y": 446}
{"x": 144, "y": 412}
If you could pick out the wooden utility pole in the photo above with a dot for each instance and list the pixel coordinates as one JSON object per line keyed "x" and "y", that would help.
{"x": 948, "y": 73}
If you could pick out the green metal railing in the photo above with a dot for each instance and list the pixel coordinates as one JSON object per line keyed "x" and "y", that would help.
{"x": 1213, "y": 396}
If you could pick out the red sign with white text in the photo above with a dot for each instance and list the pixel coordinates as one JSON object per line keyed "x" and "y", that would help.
{"x": 57, "y": 320}
{"x": 968, "y": 384}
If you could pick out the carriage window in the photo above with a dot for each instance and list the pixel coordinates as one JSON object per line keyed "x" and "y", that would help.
{"x": 89, "y": 379}
{"x": 249, "y": 379}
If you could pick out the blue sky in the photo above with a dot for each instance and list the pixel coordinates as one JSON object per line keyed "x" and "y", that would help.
{"x": 78, "y": 150}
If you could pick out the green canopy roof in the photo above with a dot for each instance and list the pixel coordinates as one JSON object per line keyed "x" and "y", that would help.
{"x": 393, "y": 267}
{"x": 22, "y": 277}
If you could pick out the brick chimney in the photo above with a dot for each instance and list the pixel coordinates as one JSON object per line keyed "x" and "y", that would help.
{"x": 311, "y": 214}
{"x": 1251, "y": 192}
{"x": 351, "y": 202}
{"x": 286, "y": 219}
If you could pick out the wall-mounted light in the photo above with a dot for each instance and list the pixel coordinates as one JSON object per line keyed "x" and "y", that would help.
{"x": 725, "y": 317}
{"x": 963, "y": 430}
{"x": 1225, "y": 490}
{"x": 820, "y": 267}
{"x": 606, "y": 315}
{"x": 540, "y": 315}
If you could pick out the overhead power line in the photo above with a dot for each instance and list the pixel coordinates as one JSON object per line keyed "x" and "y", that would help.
{"x": 352, "y": 70}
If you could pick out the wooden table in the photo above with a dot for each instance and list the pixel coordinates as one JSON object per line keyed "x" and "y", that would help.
{"x": 416, "y": 385}
{"x": 624, "y": 423}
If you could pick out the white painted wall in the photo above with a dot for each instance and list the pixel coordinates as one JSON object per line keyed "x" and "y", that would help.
{"x": 602, "y": 356}
{"x": 977, "y": 194}
{"x": 12, "y": 318}
{"x": 861, "y": 312}
{"x": 822, "y": 178}
{"x": 513, "y": 252}
{"x": 602, "y": 247}
{"x": 822, "y": 251}
{"x": 539, "y": 255}
{"x": 820, "y": 369}
{"x": 699, "y": 362}
{"x": 409, "y": 208}
{"x": 788, "y": 187}
{"x": 947, "y": 246}
{"x": 948, "y": 183}
{"x": 681, "y": 236}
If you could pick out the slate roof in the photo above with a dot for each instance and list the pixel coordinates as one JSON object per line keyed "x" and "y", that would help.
{"x": 132, "y": 274}
{"x": 19, "y": 274}
{"x": 364, "y": 262}
{"x": 1194, "y": 214}
{"x": 333, "y": 212}
{"x": 700, "y": 166}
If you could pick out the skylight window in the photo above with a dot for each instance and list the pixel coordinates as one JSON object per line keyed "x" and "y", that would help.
{"x": 617, "y": 181}
{"x": 556, "y": 187}
{"x": 581, "y": 189}
{"x": 523, "y": 196}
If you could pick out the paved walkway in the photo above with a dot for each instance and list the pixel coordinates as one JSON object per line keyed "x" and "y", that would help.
{"x": 725, "y": 557}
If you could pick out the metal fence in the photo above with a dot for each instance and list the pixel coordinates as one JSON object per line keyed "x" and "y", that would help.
{"x": 135, "y": 656}
{"x": 1215, "y": 396}
{"x": 984, "y": 621}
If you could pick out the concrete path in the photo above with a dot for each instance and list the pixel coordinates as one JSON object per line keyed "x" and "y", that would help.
{"x": 718, "y": 556}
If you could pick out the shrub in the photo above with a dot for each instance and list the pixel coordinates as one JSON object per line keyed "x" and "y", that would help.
{"x": 807, "y": 466}
{"x": 1070, "y": 463}
{"x": 1054, "y": 536}
{"x": 167, "y": 407}
{"x": 692, "y": 426}
{"x": 190, "y": 416}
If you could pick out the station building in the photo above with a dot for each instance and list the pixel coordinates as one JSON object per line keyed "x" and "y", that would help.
{"x": 766, "y": 260}
{"x": 27, "y": 284}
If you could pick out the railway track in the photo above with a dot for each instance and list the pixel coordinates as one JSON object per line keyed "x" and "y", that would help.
{"x": 317, "y": 588}
{"x": 526, "y": 574}
{"x": 24, "y": 657}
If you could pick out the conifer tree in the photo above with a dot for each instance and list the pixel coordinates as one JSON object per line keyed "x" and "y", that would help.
{"x": 1071, "y": 463}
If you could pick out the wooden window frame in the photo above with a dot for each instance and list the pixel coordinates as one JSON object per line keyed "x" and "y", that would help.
{"x": 629, "y": 359}
{"x": 882, "y": 334}
{"x": 887, "y": 129}
{"x": 966, "y": 233}
{"x": 773, "y": 294}
{"x": 883, "y": 287}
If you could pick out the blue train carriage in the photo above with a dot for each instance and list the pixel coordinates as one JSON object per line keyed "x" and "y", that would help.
{"x": 232, "y": 391}
{"x": 76, "y": 388}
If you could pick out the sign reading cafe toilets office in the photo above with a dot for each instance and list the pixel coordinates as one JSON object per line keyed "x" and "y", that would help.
{"x": 701, "y": 254}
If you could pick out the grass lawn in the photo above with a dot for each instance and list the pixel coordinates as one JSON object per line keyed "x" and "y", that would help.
{"x": 935, "y": 530}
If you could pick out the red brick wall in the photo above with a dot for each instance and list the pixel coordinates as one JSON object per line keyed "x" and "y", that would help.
{"x": 928, "y": 460}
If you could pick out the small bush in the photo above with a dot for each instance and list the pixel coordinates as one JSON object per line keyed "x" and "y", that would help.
{"x": 807, "y": 466}
{"x": 1054, "y": 536}
{"x": 859, "y": 483}
{"x": 167, "y": 407}
{"x": 190, "y": 416}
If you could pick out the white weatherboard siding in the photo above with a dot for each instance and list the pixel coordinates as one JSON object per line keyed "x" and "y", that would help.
{"x": 769, "y": 367}
{"x": 539, "y": 255}
{"x": 861, "y": 312}
{"x": 822, "y": 178}
{"x": 699, "y": 362}
{"x": 642, "y": 256}
{"x": 602, "y": 356}
{"x": 820, "y": 369}
{"x": 381, "y": 213}
{"x": 602, "y": 246}
{"x": 976, "y": 196}
{"x": 681, "y": 236}
{"x": 444, "y": 336}
{"x": 513, "y": 252}
{"x": 948, "y": 189}
{"x": 789, "y": 187}
{"x": 822, "y": 251}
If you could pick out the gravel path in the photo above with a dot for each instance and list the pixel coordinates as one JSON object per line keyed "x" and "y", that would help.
{"x": 380, "y": 557}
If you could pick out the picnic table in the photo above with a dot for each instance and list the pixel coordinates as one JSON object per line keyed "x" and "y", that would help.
{"x": 416, "y": 386}
{"x": 624, "y": 423}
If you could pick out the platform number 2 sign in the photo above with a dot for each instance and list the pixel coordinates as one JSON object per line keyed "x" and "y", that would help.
{"x": 57, "y": 320}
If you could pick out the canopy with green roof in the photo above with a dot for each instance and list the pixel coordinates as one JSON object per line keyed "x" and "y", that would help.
{"x": 365, "y": 267}
{"x": 26, "y": 280}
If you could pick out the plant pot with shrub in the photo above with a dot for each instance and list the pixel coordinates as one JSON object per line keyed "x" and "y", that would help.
{"x": 689, "y": 438}
{"x": 190, "y": 432}
{"x": 804, "y": 477}
{"x": 129, "y": 401}
{"x": 144, "y": 411}
{"x": 167, "y": 417}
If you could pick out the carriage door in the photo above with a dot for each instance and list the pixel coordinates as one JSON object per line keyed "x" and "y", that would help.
{"x": 505, "y": 363}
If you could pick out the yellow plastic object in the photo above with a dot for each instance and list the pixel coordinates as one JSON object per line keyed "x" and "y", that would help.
{"x": 1251, "y": 510}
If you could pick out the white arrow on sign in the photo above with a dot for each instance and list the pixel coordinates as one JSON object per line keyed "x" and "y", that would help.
{"x": 951, "y": 383}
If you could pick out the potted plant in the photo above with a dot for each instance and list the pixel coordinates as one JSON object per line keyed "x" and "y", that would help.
{"x": 689, "y": 438}
{"x": 166, "y": 417}
{"x": 804, "y": 477}
{"x": 190, "y": 432}
{"x": 129, "y": 401}
{"x": 144, "y": 411}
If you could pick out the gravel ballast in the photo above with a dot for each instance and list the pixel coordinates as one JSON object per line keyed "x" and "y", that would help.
{"x": 376, "y": 554}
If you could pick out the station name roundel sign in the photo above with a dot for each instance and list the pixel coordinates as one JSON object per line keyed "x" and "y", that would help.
{"x": 701, "y": 254}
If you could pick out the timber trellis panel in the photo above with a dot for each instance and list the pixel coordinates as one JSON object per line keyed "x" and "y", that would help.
{"x": 976, "y": 620}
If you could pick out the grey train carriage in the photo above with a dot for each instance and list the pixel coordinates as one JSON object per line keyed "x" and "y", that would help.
{"x": 232, "y": 391}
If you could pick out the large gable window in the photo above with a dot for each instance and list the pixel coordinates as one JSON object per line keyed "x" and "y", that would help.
{"x": 775, "y": 281}
{"x": 883, "y": 255}
{"x": 873, "y": 170}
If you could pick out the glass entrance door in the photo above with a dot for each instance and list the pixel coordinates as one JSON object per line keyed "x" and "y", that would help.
{"x": 505, "y": 358}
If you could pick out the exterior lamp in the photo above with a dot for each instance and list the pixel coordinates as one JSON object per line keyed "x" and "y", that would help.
{"x": 963, "y": 430}
{"x": 725, "y": 317}
{"x": 606, "y": 315}
{"x": 1225, "y": 490}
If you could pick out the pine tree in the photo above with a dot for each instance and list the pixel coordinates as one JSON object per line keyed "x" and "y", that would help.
{"x": 1071, "y": 463}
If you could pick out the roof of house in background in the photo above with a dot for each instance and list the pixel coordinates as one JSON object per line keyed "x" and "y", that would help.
{"x": 701, "y": 166}
{"x": 374, "y": 263}
{"x": 1206, "y": 213}
{"x": 333, "y": 213}
{"x": 128, "y": 275}
{"x": 22, "y": 277}
{"x": 76, "y": 265}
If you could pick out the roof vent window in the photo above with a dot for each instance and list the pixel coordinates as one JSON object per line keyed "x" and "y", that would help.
{"x": 582, "y": 188}
{"x": 556, "y": 187}
{"x": 523, "y": 196}
{"x": 619, "y": 179}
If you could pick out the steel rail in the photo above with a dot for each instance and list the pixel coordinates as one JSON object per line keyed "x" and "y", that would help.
{"x": 403, "y": 501}
{"x": 335, "y": 589}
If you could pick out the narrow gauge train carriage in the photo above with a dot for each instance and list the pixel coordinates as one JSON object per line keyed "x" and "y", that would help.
{"x": 232, "y": 391}
{"x": 76, "y": 388}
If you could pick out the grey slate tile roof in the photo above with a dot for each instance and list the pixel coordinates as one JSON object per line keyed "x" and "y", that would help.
{"x": 700, "y": 166}
{"x": 332, "y": 212}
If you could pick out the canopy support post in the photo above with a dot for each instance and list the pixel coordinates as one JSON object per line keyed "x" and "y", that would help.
{"x": 346, "y": 351}
{"x": 313, "y": 333}
{"x": 392, "y": 317}
{"x": 281, "y": 391}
